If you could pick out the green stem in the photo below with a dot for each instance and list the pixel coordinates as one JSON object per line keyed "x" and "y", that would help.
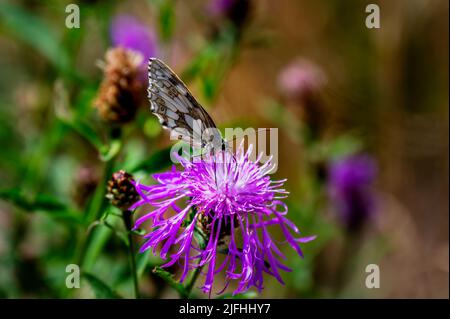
{"x": 192, "y": 281}
{"x": 93, "y": 211}
{"x": 127, "y": 219}
{"x": 202, "y": 243}
{"x": 87, "y": 254}
{"x": 347, "y": 263}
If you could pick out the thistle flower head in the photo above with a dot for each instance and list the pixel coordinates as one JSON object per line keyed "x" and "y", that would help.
{"x": 225, "y": 198}
{"x": 351, "y": 180}
{"x": 121, "y": 90}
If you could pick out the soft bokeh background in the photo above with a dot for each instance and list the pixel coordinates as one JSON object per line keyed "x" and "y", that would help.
{"x": 382, "y": 92}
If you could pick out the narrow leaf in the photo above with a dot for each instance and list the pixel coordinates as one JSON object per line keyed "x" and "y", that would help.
{"x": 168, "y": 278}
{"x": 166, "y": 20}
{"x": 40, "y": 202}
{"x": 245, "y": 295}
{"x": 35, "y": 32}
{"x": 101, "y": 289}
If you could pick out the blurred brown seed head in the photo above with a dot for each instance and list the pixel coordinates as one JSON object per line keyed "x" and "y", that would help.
{"x": 120, "y": 190}
{"x": 86, "y": 180}
{"x": 122, "y": 89}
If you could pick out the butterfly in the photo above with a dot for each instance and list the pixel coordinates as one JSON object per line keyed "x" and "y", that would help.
{"x": 178, "y": 111}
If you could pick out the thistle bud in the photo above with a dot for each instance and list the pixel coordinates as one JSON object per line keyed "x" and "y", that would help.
{"x": 121, "y": 191}
{"x": 351, "y": 189}
{"x": 122, "y": 90}
{"x": 301, "y": 79}
{"x": 300, "y": 83}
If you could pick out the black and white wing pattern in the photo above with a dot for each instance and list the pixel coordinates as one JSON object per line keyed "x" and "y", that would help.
{"x": 176, "y": 108}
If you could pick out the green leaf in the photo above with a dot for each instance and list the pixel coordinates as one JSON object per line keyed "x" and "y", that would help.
{"x": 95, "y": 243}
{"x": 40, "y": 202}
{"x": 200, "y": 237}
{"x": 200, "y": 63}
{"x": 74, "y": 120}
{"x": 101, "y": 289}
{"x": 166, "y": 19}
{"x": 156, "y": 162}
{"x": 146, "y": 260}
{"x": 210, "y": 87}
{"x": 85, "y": 130}
{"x": 152, "y": 128}
{"x": 245, "y": 295}
{"x": 98, "y": 203}
{"x": 142, "y": 262}
{"x": 343, "y": 145}
{"x": 109, "y": 152}
{"x": 119, "y": 234}
{"x": 35, "y": 32}
{"x": 168, "y": 278}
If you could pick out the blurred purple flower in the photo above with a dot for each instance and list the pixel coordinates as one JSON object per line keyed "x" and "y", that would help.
{"x": 236, "y": 11}
{"x": 351, "y": 182}
{"x": 301, "y": 78}
{"x": 233, "y": 200}
{"x": 128, "y": 32}
{"x": 219, "y": 7}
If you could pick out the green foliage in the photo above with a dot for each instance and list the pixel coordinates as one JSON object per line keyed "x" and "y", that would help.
{"x": 101, "y": 289}
{"x": 245, "y": 295}
{"x": 36, "y": 33}
{"x": 159, "y": 160}
{"x": 168, "y": 278}
{"x": 50, "y": 131}
{"x": 166, "y": 19}
{"x": 41, "y": 203}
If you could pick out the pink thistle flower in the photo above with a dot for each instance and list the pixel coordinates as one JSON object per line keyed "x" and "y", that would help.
{"x": 224, "y": 197}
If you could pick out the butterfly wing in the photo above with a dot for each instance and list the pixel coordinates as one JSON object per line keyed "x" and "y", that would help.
{"x": 176, "y": 108}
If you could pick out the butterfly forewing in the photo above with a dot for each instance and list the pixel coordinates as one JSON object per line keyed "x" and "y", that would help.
{"x": 176, "y": 108}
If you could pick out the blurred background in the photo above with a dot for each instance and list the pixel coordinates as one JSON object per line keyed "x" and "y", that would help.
{"x": 362, "y": 116}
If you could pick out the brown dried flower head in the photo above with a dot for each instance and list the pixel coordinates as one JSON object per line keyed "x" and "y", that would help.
{"x": 122, "y": 89}
{"x": 120, "y": 190}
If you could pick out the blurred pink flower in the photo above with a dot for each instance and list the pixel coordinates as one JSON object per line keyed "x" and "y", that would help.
{"x": 300, "y": 79}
